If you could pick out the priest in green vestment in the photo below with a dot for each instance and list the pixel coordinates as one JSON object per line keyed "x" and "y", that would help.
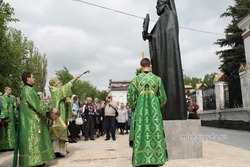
{"x": 61, "y": 100}
{"x": 146, "y": 95}
{"x": 35, "y": 146}
{"x": 8, "y": 114}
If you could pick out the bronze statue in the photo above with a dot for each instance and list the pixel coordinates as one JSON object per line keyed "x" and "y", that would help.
{"x": 166, "y": 59}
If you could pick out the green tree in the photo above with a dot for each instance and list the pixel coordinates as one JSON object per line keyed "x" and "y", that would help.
{"x": 13, "y": 58}
{"x": 101, "y": 95}
{"x": 37, "y": 63}
{"x": 192, "y": 81}
{"x": 63, "y": 75}
{"x": 6, "y": 16}
{"x": 209, "y": 78}
{"x": 18, "y": 54}
{"x": 232, "y": 58}
{"x": 6, "y": 13}
{"x": 82, "y": 89}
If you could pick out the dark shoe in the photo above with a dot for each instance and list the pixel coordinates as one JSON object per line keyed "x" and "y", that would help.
{"x": 92, "y": 139}
{"x": 71, "y": 141}
{"x": 113, "y": 139}
{"x": 86, "y": 139}
{"x": 5, "y": 150}
{"x": 107, "y": 139}
{"x": 41, "y": 165}
{"x": 59, "y": 155}
{"x": 131, "y": 143}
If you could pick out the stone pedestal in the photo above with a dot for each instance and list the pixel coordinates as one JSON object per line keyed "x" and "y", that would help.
{"x": 183, "y": 138}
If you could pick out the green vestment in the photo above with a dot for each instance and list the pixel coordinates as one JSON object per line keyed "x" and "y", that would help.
{"x": 146, "y": 95}
{"x": 60, "y": 99}
{"x": 35, "y": 146}
{"x": 7, "y": 133}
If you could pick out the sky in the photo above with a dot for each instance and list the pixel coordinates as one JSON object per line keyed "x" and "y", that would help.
{"x": 83, "y": 37}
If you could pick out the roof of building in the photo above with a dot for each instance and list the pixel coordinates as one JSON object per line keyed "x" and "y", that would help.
{"x": 118, "y": 85}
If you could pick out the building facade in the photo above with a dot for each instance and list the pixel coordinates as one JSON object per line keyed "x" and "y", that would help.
{"x": 119, "y": 89}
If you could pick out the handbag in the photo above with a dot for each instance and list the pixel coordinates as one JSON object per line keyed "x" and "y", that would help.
{"x": 79, "y": 120}
{"x": 116, "y": 113}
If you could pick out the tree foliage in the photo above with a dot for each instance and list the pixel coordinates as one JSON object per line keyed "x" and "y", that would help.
{"x": 232, "y": 58}
{"x": 18, "y": 54}
{"x": 6, "y": 13}
{"x": 192, "y": 81}
{"x": 207, "y": 79}
{"x": 82, "y": 89}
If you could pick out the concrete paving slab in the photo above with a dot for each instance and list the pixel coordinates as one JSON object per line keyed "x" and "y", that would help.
{"x": 100, "y": 153}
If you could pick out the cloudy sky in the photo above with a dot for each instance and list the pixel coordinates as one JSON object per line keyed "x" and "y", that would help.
{"x": 83, "y": 37}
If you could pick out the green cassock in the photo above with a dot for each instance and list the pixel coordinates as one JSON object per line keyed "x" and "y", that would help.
{"x": 7, "y": 133}
{"x": 146, "y": 95}
{"x": 35, "y": 146}
{"x": 60, "y": 99}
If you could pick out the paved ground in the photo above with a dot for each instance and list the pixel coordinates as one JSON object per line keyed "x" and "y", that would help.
{"x": 234, "y": 152}
{"x": 237, "y": 138}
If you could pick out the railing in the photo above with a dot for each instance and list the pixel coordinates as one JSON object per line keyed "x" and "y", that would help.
{"x": 226, "y": 96}
{"x": 209, "y": 98}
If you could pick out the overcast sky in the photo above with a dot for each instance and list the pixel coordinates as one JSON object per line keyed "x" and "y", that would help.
{"x": 109, "y": 44}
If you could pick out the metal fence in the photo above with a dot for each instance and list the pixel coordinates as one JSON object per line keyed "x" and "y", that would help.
{"x": 192, "y": 95}
{"x": 209, "y": 98}
{"x": 226, "y": 95}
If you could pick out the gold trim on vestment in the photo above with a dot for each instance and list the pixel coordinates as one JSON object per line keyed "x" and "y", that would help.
{"x": 36, "y": 153}
{"x": 146, "y": 92}
{"x": 151, "y": 151}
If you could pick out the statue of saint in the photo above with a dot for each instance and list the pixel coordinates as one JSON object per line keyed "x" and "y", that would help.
{"x": 165, "y": 58}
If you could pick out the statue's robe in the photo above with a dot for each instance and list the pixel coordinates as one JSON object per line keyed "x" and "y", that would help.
{"x": 166, "y": 63}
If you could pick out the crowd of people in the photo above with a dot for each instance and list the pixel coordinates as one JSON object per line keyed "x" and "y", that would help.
{"x": 47, "y": 124}
{"x": 93, "y": 119}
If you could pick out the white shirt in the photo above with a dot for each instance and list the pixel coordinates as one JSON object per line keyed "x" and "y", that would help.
{"x": 122, "y": 115}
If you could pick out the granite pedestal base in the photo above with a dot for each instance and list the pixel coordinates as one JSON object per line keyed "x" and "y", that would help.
{"x": 183, "y": 138}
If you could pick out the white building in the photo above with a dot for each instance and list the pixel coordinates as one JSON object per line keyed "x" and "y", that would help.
{"x": 118, "y": 89}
